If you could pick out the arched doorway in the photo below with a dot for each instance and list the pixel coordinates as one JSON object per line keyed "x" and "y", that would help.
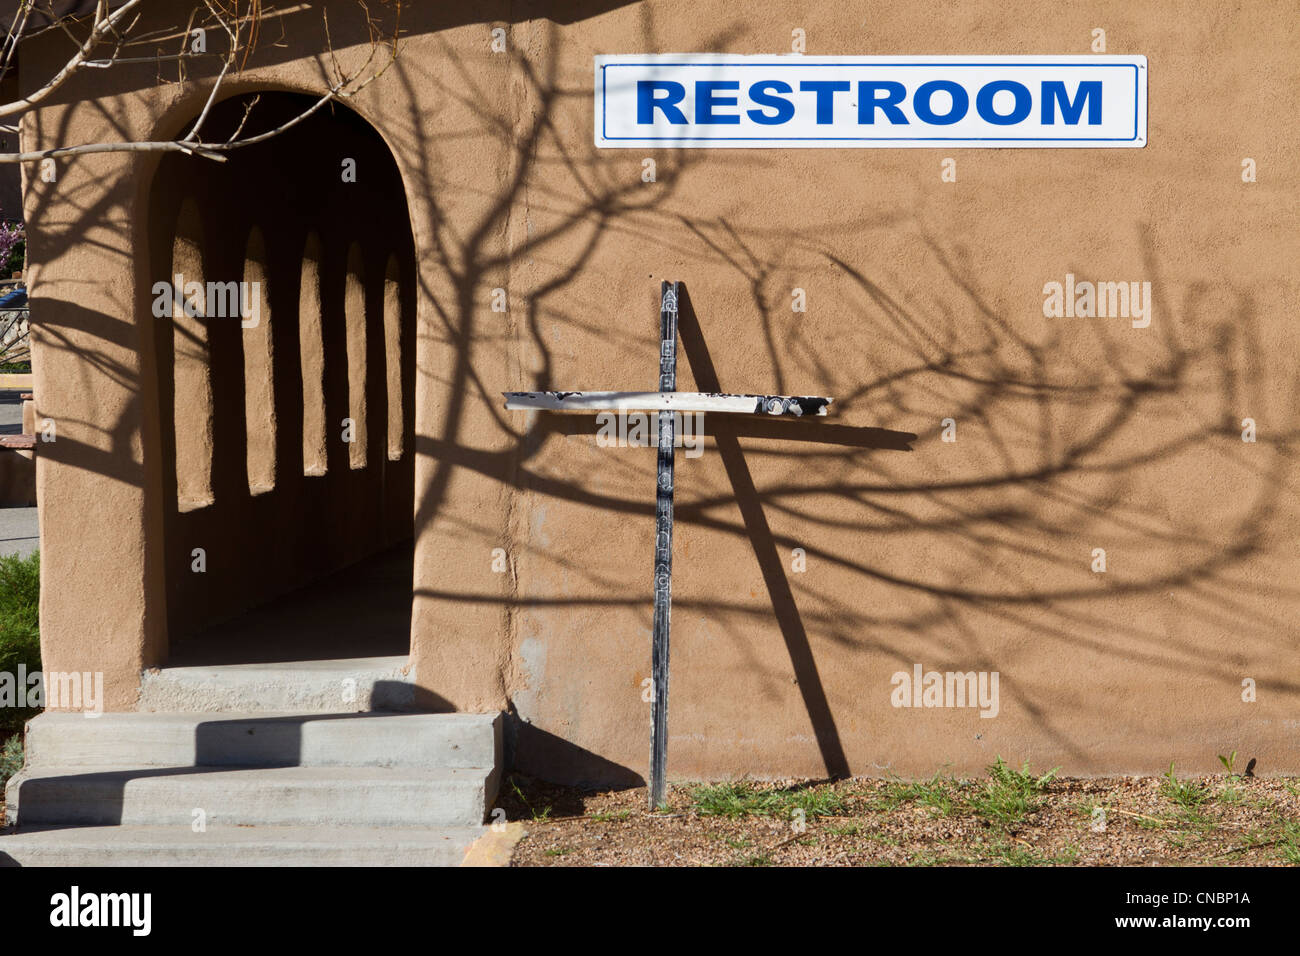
{"x": 283, "y": 298}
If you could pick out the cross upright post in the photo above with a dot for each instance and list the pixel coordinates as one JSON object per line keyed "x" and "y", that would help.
{"x": 663, "y": 565}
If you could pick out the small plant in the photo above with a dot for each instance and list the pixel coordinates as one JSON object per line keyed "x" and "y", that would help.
{"x": 611, "y": 816}
{"x": 1229, "y": 763}
{"x": 935, "y": 793}
{"x": 1021, "y": 779}
{"x": 1188, "y": 794}
{"x": 1011, "y": 794}
{"x": 732, "y": 800}
{"x": 538, "y": 813}
{"x": 744, "y": 798}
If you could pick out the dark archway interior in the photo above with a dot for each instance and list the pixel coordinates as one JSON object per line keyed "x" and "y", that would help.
{"x": 283, "y": 540}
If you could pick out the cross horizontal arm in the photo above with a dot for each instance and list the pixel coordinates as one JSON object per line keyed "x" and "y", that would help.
{"x": 669, "y": 401}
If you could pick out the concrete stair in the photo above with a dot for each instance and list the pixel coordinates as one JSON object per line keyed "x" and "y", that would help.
{"x": 308, "y": 789}
{"x": 330, "y": 686}
{"x": 237, "y": 846}
{"x": 136, "y": 740}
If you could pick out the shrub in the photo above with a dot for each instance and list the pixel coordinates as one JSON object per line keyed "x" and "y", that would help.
{"x": 13, "y": 247}
{"x": 20, "y": 643}
{"x": 11, "y": 760}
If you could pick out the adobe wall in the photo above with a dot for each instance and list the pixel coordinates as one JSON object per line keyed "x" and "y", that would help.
{"x": 924, "y": 303}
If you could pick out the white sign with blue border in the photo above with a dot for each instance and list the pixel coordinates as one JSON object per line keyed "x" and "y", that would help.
{"x": 723, "y": 100}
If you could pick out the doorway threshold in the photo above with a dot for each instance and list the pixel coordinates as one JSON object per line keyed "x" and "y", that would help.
{"x": 342, "y": 685}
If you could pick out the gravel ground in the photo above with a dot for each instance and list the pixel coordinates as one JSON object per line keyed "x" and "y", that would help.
{"x": 19, "y": 531}
{"x": 1224, "y": 820}
{"x": 1126, "y": 821}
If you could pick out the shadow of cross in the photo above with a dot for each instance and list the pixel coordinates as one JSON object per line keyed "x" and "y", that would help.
{"x": 667, "y": 401}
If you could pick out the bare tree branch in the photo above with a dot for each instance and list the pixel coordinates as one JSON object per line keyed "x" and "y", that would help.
{"x": 101, "y": 28}
{"x": 240, "y": 29}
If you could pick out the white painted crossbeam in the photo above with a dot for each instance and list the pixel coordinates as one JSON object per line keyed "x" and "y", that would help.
{"x": 669, "y": 401}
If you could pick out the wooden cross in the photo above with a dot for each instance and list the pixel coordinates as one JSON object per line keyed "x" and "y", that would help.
{"x": 666, "y": 401}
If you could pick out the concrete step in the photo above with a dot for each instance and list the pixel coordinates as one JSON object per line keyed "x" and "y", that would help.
{"x": 252, "y": 796}
{"x": 237, "y": 846}
{"x": 129, "y": 741}
{"x": 324, "y": 687}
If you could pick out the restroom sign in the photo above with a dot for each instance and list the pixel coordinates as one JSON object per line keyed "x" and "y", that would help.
{"x": 697, "y": 100}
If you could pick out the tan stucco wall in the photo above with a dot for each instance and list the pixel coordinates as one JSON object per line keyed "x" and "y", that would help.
{"x": 924, "y": 303}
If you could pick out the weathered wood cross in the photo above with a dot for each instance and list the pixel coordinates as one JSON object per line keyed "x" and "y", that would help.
{"x": 666, "y": 401}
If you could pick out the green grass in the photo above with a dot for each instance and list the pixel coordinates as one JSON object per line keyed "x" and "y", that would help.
{"x": 744, "y": 798}
{"x": 1290, "y": 841}
{"x": 1188, "y": 794}
{"x": 1280, "y": 838}
{"x": 1007, "y": 796}
{"x": 20, "y": 639}
{"x": 1011, "y": 794}
{"x": 611, "y": 816}
{"x": 1155, "y": 821}
{"x": 1231, "y": 794}
{"x": 1011, "y": 854}
{"x": 937, "y": 793}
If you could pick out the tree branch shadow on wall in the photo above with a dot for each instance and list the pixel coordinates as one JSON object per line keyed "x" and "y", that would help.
{"x": 1056, "y": 466}
{"x": 966, "y": 356}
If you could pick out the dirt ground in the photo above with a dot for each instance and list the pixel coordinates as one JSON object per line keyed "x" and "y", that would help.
{"x": 1011, "y": 818}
